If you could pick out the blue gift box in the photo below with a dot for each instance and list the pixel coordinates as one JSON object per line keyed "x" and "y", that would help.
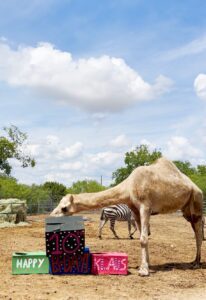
{"x": 70, "y": 264}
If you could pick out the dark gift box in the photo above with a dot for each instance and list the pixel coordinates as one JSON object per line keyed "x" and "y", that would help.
{"x": 70, "y": 264}
{"x": 65, "y": 235}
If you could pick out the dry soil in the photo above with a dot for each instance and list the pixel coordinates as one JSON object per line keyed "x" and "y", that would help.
{"x": 171, "y": 247}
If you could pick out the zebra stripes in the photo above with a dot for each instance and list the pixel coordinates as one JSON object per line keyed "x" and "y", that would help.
{"x": 119, "y": 212}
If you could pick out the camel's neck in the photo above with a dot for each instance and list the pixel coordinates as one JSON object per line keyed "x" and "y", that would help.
{"x": 89, "y": 201}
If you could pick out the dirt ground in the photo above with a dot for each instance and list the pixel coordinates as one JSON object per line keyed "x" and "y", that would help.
{"x": 171, "y": 247}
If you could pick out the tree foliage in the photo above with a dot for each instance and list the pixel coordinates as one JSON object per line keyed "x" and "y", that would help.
{"x": 185, "y": 167}
{"x": 141, "y": 156}
{"x": 201, "y": 169}
{"x": 55, "y": 190}
{"x": 51, "y": 192}
{"x": 12, "y": 147}
{"x": 85, "y": 186}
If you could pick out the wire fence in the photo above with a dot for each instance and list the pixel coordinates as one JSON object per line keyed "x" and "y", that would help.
{"x": 40, "y": 208}
{"x": 47, "y": 207}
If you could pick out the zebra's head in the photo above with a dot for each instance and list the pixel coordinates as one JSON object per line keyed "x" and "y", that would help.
{"x": 66, "y": 207}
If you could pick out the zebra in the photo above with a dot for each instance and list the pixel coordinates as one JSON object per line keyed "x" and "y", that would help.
{"x": 119, "y": 212}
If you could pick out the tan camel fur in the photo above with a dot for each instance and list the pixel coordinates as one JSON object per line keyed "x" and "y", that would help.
{"x": 158, "y": 188}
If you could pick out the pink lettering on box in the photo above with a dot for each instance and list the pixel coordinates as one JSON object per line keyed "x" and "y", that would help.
{"x": 109, "y": 263}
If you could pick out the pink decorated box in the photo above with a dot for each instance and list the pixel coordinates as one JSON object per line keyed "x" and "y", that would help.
{"x": 109, "y": 263}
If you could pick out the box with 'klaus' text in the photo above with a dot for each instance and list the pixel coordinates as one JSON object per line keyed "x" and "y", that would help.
{"x": 109, "y": 263}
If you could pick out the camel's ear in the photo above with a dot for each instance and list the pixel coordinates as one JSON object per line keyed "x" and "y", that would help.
{"x": 71, "y": 199}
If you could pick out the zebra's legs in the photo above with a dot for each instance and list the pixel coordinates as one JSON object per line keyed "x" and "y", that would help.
{"x": 112, "y": 222}
{"x": 134, "y": 224}
{"x": 101, "y": 225}
{"x": 129, "y": 229}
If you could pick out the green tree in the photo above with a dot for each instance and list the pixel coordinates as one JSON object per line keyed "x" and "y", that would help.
{"x": 11, "y": 147}
{"x": 200, "y": 181}
{"x": 141, "y": 156}
{"x": 85, "y": 186}
{"x": 56, "y": 190}
{"x": 185, "y": 167}
{"x": 10, "y": 188}
{"x": 201, "y": 169}
{"x": 37, "y": 199}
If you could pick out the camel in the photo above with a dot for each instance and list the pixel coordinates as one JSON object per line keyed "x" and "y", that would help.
{"x": 203, "y": 228}
{"x": 159, "y": 188}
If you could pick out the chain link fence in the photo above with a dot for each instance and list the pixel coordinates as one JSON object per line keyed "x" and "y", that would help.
{"x": 47, "y": 207}
{"x": 40, "y": 208}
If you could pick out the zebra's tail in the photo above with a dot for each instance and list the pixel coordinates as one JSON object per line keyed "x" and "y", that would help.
{"x": 102, "y": 215}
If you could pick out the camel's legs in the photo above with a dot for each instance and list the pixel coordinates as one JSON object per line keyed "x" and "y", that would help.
{"x": 196, "y": 223}
{"x": 130, "y": 223}
{"x": 203, "y": 226}
{"x": 137, "y": 216}
{"x": 101, "y": 225}
{"x": 112, "y": 222}
{"x": 144, "y": 217}
{"x": 137, "y": 223}
{"x": 193, "y": 214}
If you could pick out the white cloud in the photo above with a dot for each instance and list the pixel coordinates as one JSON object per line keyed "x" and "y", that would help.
{"x": 148, "y": 143}
{"x": 51, "y": 148}
{"x": 58, "y": 177}
{"x": 95, "y": 84}
{"x": 120, "y": 141}
{"x": 200, "y": 86}
{"x": 105, "y": 158}
{"x": 70, "y": 152}
{"x": 194, "y": 47}
{"x": 52, "y": 140}
{"x": 180, "y": 148}
{"x": 73, "y": 166}
{"x": 32, "y": 149}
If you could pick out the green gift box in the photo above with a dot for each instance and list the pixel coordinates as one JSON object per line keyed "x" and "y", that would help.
{"x": 30, "y": 263}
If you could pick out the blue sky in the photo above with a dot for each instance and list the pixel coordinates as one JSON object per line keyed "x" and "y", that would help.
{"x": 90, "y": 80}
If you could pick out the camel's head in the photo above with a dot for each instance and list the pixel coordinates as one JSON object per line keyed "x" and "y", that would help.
{"x": 66, "y": 207}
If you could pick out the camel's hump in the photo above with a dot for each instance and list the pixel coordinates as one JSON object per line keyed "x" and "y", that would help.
{"x": 162, "y": 167}
{"x": 163, "y": 162}
{"x": 166, "y": 168}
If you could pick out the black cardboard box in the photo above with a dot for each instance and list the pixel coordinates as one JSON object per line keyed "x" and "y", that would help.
{"x": 65, "y": 236}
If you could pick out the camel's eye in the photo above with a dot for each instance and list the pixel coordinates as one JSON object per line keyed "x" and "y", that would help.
{"x": 64, "y": 209}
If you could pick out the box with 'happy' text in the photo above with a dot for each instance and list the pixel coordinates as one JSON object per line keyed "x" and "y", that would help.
{"x": 30, "y": 263}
